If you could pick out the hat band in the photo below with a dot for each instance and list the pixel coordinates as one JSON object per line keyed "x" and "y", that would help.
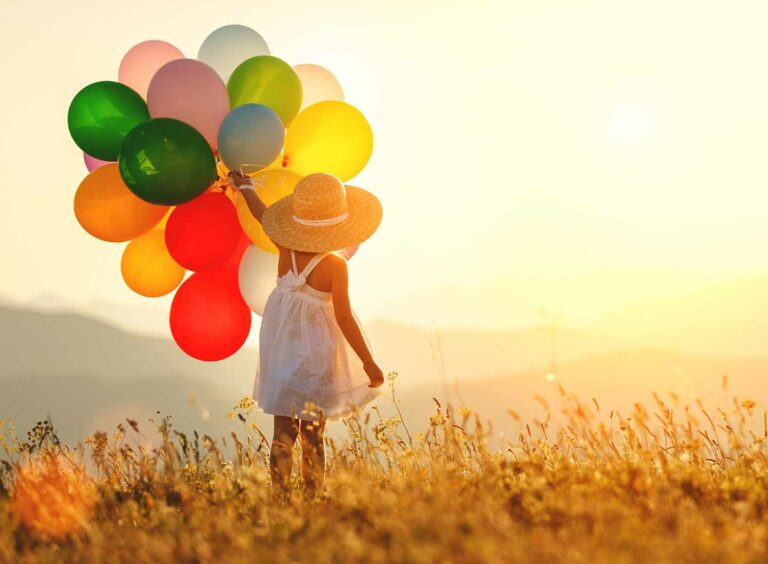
{"x": 321, "y": 222}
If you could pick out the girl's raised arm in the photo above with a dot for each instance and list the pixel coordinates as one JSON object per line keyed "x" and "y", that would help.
{"x": 245, "y": 185}
{"x": 348, "y": 325}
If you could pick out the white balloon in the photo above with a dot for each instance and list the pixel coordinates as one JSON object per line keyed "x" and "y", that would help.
{"x": 225, "y": 48}
{"x": 257, "y": 277}
{"x": 318, "y": 84}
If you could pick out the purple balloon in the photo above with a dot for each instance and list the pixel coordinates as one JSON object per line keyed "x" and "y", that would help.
{"x": 192, "y": 92}
{"x": 92, "y": 163}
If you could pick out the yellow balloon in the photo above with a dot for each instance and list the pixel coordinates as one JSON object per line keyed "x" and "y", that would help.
{"x": 330, "y": 136}
{"x": 221, "y": 168}
{"x": 271, "y": 185}
{"x": 147, "y": 266}
{"x": 108, "y": 210}
{"x": 277, "y": 163}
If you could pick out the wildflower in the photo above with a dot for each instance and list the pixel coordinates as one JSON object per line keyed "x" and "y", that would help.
{"x": 749, "y": 405}
{"x": 52, "y": 496}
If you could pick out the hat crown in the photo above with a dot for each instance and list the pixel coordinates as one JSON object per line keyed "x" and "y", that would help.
{"x": 319, "y": 196}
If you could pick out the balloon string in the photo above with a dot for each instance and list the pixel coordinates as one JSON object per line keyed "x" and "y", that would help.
{"x": 222, "y": 183}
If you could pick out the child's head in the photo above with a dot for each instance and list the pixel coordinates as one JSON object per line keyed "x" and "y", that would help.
{"x": 322, "y": 215}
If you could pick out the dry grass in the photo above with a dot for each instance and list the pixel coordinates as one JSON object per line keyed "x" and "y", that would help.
{"x": 672, "y": 483}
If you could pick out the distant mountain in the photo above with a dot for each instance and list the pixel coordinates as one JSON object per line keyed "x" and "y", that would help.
{"x": 415, "y": 353}
{"x": 722, "y": 320}
{"x": 87, "y": 375}
{"x": 619, "y": 379}
{"x": 62, "y": 343}
{"x": 65, "y": 343}
{"x": 727, "y": 319}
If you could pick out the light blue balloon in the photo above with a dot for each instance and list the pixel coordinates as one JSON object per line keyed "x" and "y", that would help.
{"x": 230, "y": 45}
{"x": 250, "y": 138}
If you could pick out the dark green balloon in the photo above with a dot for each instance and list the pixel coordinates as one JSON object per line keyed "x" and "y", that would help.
{"x": 102, "y": 114}
{"x": 165, "y": 161}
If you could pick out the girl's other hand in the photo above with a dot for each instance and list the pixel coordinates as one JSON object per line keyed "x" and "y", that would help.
{"x": 375, "y": 375}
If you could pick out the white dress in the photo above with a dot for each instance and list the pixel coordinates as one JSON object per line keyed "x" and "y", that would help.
{"x": 306, "y": 367}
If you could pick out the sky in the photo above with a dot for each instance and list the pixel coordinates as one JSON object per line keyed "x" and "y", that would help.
{"x": 574, "y": 156}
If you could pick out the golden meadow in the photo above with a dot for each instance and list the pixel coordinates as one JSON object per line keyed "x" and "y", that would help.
{"x": 671, "y": 481}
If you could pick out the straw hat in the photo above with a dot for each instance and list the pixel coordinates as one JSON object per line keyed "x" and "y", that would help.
{"x": 322, "y": 215}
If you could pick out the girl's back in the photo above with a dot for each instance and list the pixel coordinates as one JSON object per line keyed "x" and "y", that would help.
{"x": 321, "y": 275}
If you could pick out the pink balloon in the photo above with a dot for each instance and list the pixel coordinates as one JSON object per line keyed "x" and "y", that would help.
{"x": 92, "y": 163}
{"x": 190, "y": 91}
{"x": 142, "y": 61}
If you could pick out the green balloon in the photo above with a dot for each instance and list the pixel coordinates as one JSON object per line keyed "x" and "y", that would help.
{"x": 102, "y": 114}
{"x": 165, "y": 161}
{"x": 269, "y": 81}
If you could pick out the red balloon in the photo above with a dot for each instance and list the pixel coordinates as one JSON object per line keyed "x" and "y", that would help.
{"x": 209, "y": 318}
{"x": 203, "y": 233}
{"x": 233, "y": 262}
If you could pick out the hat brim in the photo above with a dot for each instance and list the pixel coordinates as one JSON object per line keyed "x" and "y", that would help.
{"x": 364, "y": 217}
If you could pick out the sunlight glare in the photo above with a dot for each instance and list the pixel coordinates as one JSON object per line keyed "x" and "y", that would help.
{"x": 631, "y": 123}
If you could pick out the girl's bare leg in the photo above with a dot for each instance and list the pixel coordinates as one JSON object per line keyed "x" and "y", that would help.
{"x": 281, "y": 453}
{"x": 312, "y": 455}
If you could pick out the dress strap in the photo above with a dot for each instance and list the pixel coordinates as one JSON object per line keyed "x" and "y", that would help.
{"x": 313, "y": 262}
{"x": 293, "y": 260}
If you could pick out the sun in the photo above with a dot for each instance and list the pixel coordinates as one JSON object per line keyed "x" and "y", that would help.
{"x": 631, "y": 123}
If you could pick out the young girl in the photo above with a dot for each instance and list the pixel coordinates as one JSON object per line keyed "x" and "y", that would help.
{"x": 315, "y": 362}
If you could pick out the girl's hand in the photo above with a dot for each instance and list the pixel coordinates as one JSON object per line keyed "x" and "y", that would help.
{"x": 240, "y": 180}
{"x": 375, "y": 375}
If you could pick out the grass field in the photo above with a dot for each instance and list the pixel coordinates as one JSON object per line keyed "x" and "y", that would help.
{"x": 673, "y": 482}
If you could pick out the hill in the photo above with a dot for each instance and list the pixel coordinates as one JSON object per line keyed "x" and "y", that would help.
{"x": 726, "y": 319}
{"x": 87, "y": 374}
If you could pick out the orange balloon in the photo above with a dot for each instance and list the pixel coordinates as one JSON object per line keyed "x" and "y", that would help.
{"x": 108, "y": 210}
{"x": 147, "y": 266}
{"x": 271, "y": 185}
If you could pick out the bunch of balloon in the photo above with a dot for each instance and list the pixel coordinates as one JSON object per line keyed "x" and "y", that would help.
{"x": 159, "y": 143}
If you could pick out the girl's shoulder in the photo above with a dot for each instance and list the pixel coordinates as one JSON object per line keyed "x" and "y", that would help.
{"x": 333, "y": 262}
{"x": 328, "y": 269}
{"x": 335, "y": 258}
